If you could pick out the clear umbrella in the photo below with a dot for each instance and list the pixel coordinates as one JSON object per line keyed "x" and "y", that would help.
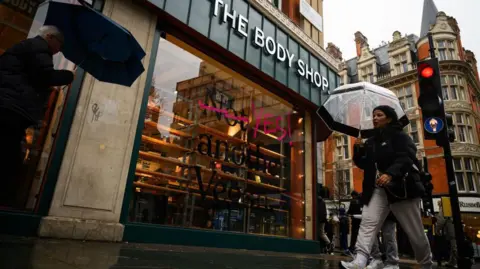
{"x": 349, "y": 108}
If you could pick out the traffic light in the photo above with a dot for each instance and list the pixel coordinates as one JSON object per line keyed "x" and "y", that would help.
{"x": 450, "y": 127}
{"x": 431, "y": 98}
{"x": 426, "y": 178}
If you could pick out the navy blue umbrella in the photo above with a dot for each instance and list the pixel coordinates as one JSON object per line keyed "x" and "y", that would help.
{"x": 94, "y": 42}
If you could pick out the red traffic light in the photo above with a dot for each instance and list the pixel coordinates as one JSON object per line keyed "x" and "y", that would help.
{"x": 426, "y": 71}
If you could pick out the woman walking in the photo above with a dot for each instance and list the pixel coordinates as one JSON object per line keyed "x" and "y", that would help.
{"x": 391, "y": 183}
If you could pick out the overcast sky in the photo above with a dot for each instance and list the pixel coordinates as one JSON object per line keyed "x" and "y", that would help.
{"x": 378, "y": 19}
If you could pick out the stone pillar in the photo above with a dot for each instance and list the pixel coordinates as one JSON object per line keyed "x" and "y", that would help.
{"x": 89, "y": 193}
{"x": 309, "y": 180}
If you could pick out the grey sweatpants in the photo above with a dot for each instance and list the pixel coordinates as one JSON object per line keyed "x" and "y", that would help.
{"x": 389, "y": 239}
{"x": 408, "y": 215}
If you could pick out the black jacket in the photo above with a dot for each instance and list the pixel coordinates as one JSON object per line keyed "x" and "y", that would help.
{"x": 394, "y": 152}
{"x": 26, "y": 75}
{"x": 321, "y": 211}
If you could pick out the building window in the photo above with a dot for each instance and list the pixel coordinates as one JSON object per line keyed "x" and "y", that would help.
{"x": 412, "y": 130}
{"x": 342, "y": 147}
{"x": 405, "y": 96}
{"x": 189, "y": 150}
{"x": 463, "y": 127}
{"x": 343, "y": 183}
{"x": 367, "y": 74}
{"x": 453, "y": 88}
{"x": 277, "y": 3}
{"x": 446, "y": 50}
{"x": 400, "y": 62}
{"x": 467, "y": 174}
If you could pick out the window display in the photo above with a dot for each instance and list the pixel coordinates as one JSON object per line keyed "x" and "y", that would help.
{"x": 217, "y": 151}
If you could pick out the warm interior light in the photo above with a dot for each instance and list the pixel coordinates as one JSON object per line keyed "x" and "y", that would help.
{"x": 300, "y": 120}
{"x": 427, "y": 72}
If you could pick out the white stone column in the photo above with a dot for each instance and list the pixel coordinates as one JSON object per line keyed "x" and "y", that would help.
{"x": 309, "y": 166}
{"x": 89, "y": 193}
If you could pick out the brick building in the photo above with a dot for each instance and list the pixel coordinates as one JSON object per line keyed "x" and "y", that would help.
{"x": 393, "y": 65}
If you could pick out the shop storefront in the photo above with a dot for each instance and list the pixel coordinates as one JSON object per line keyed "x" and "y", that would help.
{"x": 214, "y": 145}
{"x": 221, "y": 152}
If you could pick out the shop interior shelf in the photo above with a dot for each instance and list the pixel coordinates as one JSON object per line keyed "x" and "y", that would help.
{"x": 151, "y": 124}
{"x": 153, "y": 156}
{"x": 262, "y": 174}
{"x": 160, "y": 175}
{"x": 155, "y": 141}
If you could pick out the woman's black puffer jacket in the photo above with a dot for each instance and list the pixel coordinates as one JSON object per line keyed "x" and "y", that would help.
{"x": 394, "y": 152}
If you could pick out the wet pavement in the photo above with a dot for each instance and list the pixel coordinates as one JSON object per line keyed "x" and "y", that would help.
{"x": 34, "y": 253}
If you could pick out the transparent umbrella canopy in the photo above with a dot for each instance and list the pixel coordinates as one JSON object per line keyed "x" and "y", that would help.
{"x": 349, "y": 108}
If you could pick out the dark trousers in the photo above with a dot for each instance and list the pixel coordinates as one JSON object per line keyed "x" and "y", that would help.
{"x": 344, "y": 241}
{"x": 12, "y": 132}
{"x": 353, "y": 237}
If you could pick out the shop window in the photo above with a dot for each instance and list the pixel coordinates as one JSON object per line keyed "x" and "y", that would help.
{"x": 342, "y": 147}
{"x": 342, "y": 183}
{"x": 453, "y": 88}
{"x": 217, "y": 151}
{"x": 412, "y": 130}
{"x": 464, "y": 127}
{"x": 446, "y": 50}
{"x": 467, "y": 173}
{"x": 16, "y": 24}
{"x": 405, "y": 96}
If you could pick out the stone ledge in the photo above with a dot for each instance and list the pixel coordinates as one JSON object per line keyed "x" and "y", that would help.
{"x": 72, "y": 228}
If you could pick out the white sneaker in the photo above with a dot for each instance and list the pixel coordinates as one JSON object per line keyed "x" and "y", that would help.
{"x": 375, "y": 264}
{"x": 389, "y": 266}
{"x": 351, "y": 265}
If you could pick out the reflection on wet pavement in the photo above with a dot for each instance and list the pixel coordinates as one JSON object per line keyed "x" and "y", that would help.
{"x": 65, "y": 254}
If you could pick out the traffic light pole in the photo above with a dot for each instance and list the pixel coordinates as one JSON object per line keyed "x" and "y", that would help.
{"x": 463, "y": 262}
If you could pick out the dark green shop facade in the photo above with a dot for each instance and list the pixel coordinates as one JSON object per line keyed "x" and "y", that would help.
{"x": 225, "y": 148}
{"x": 244, "y": 63}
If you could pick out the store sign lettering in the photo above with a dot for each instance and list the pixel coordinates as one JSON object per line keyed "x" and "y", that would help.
{"x": 260, "y": 117}
{"x": 475, "y": 205}
{"x": 234, "y": 194}
{"x": 269, "y": 45}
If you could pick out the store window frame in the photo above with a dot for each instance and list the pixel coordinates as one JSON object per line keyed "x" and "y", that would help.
{"x": 161, "y": 33}
{"x": 52, "y": 169}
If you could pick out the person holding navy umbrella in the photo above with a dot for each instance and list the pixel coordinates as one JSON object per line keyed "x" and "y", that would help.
{"x": 26, "y": 77}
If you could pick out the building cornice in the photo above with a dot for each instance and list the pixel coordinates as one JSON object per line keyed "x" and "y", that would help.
{"x": 284, "y": 22}
{"x": 465, "y": 149}
{"x": 388, "y": 82}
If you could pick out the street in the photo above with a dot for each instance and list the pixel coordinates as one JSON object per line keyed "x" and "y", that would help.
{"x": 34, "y": 253}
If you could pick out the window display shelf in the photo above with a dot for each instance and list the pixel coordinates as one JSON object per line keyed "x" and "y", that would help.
{"x": 262, "y": 174}
{"x": 170, "y": 115}
{"x": 158, "y": 188}
{"x": 151, "y": 140}
{"x": 155, "y": 157}
{"x": 224, "y": 175}
{"x": 222, "y": 162}
{"x": 158, "y": 126}
{"x": 267, "y": 152}
{"x": 160, "y": 175}
{"x": 220, "y": 134}
{"x": 263, "y": 185}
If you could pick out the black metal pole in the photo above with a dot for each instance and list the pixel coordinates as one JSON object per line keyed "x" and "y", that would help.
{"x": 463, "y": 261}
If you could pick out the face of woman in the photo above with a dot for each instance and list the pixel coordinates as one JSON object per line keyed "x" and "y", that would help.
{"x": 380, "y": 119}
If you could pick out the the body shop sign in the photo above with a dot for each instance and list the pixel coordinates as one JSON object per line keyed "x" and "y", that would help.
{"x": 240, "y": 23}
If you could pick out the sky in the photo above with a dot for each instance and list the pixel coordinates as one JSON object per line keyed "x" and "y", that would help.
{"x": 378, "y": 19}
